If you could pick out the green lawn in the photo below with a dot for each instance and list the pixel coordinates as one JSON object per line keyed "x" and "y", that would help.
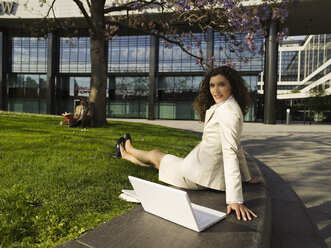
{"x": 57, "y": 182}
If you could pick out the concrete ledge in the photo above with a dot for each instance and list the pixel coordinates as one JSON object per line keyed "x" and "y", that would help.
{"x": 136, "y": 228}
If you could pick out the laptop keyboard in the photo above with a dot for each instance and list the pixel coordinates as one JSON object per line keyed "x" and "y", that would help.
{"x": 201, "y": 216}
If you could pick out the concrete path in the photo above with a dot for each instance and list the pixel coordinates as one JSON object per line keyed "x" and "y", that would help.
{"x": 296, "y": 162}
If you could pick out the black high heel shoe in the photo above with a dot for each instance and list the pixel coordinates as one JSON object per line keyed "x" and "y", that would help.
{"x": 127, "y": 136}
{"x": 118, "y": 149}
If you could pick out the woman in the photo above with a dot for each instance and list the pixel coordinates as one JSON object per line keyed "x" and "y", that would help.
{"x": 217, "y": 162}
{"x": 83, "y": 114}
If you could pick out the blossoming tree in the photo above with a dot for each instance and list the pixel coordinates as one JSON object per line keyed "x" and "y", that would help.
{"x": 165, "y": 20}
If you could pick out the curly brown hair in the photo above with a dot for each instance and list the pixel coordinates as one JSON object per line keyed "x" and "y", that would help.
{"x": 205, "y": 100}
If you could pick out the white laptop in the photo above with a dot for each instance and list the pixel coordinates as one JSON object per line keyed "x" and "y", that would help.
{"x": 174, "y": 205}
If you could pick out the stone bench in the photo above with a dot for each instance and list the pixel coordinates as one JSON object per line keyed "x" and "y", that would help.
{"x": 137, "y": 228}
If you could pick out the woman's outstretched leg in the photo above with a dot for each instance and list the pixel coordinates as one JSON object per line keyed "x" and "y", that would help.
{"x": 143, "y": 158}
{"x": 127, "y": 156}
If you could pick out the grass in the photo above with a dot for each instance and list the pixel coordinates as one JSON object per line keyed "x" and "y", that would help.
{"x": 57, "y": 182}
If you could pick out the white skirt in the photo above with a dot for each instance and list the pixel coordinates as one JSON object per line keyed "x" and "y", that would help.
{"x": 169, "y": 172}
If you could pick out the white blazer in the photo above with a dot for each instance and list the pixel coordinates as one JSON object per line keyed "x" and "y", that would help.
{"x": 218, "y": 161}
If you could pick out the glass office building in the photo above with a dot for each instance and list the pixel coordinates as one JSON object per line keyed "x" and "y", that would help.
{"x": 178, "y": 76}
{"x": 304, "y": 72}
{"x": 303, "y": 64}
{"x": 48, "y": 75}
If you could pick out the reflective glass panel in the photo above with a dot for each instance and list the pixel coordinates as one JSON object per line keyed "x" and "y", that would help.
{"x": 75, "y": 54}
{"x": 29, "y": 54}
{"x": 129, "y": 54}
{"x": 173, "y": 59}
{"x": 27, "y": 93}
{"x": 240, "y": 59}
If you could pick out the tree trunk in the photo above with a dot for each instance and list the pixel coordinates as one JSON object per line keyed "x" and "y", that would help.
{"x": 98, "y": 63}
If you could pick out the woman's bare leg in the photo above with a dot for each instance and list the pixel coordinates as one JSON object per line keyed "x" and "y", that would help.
{"x": 129, "y": 157}
{"x": 145, "y": 157}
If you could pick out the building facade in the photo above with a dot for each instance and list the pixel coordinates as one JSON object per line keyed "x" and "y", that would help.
{"x": 28, "y": 64}
{"x": 304, "y": 63}
{"x": 177, "y": 78}
{"x": 304, "y": 75}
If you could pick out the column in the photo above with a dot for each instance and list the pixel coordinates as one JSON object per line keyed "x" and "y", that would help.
{"x": 210, "y": 46}
{"x": 299, "y": 65}
{"x": 51, "y": 72}
{"x": 270, "y": 72}
{"x": 154, "y": 50}
{"x": 5, "y": 66}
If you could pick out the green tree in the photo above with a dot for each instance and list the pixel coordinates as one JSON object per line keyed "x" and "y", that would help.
{"x": 319, "y": 102}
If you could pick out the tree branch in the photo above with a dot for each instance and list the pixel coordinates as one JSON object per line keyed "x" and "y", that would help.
{"x": 51, "y": 8}
{"x": 88, "y": 3}
{"x": 131, "y": 6}
{"x": 86, "y": 16}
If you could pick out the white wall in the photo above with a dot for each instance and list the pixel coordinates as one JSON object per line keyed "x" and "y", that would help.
{"x": 31, "y": 9}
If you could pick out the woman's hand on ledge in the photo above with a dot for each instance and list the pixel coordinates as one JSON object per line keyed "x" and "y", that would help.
{"x": 241, "y": 211}
{"x": 256, "y": 180}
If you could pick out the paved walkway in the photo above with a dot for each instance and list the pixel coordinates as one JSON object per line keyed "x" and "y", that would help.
{"x": 296, "y": 162}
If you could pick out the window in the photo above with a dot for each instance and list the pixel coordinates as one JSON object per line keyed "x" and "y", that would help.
{"x": 29, "y": 54}
{"x": 128, "y": 97}
{"x": 129, "y": 54}
{"x": 75, "y": 54}
{"x": 174, "y": 59}
{"x": 289, "y": 70}
{"x": 27, "y": 93}
{"x": 178, "y": 88}
{"x": 246, "y": 61}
